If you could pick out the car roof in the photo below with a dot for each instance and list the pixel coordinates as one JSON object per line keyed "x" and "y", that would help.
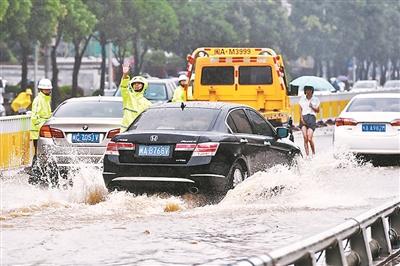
{"x": 201, "y": 104}
{"x": 95, "y": 99}
{"x": 159, "y": 80}
{"x": 378, "y": 95}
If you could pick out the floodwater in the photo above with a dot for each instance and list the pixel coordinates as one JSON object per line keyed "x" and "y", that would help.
{"x": 86, "y": 225}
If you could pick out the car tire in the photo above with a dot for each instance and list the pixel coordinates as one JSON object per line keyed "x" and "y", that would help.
{"x": 236, "y": 175}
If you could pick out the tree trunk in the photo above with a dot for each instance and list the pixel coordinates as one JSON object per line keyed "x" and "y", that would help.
{"x": 77, "y": 63}
{"x": 366, "y": 74}
{"x": 383, "y": 73}
{"x": 136, "y": 69}
{"x": 374, "y": 70}
{"x": 56, "y": 96}
{"x": 120, "y": 56}
{"x": 328, "y": 69}
{"x": 24, "y": 67}
{"x": 142, "y": 58}
{"x": 315, "y": 67}
{"x": 103, "y": 43}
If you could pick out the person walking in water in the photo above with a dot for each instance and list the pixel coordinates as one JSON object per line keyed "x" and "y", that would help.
{"x": 41, "y": 112}
{"x": 309, "y": 107}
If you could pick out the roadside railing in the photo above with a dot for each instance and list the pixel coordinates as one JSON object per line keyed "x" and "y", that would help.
{"x": 372, "y": 238}
{"x": 331, "y": 104}
{"x": 15, "y": 147}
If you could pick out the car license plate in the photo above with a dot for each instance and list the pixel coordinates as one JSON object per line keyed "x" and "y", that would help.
{"x": 85, "y": 138}
{"x": 373, "y": 127}
{"x": 154, "y": 150}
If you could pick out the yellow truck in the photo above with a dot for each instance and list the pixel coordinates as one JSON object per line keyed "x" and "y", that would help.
{"x": 251, "y": 76}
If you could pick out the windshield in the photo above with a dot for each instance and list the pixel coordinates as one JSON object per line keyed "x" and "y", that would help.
{"x": 375, "y": 105}
{"x": 392, "y": 83}
{"x": 188, "y": 119}
{"x": 155, "y": 91}
{"x": 90, "y": 109}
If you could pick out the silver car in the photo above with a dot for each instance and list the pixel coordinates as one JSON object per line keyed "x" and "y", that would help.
{"x": 77, "y": 134}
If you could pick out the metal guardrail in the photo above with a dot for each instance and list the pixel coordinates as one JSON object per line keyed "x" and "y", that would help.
{"x": 331, "y": 104}
{"x": 374, "y": 239}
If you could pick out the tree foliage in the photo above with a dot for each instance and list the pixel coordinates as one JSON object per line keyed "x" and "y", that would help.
{"x": 331, "y": 33}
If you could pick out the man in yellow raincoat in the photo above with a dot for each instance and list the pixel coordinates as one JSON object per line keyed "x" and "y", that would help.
{"x": 21, "y": 103}
{"x": 133, "y": 100}
{"x": 179, "y": 93}
{"x": 41, "y": 109}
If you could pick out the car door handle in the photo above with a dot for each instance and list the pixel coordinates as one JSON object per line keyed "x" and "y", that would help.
{"x": 267, "y": 143}
{"x": 243, "y": 140}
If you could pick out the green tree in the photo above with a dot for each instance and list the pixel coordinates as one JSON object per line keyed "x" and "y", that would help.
{"x": 3, "y": 8}
{"x": 108, "y": 14}
{"x": 15, "y": 30}
{"x": 30, "y": 21}
{"x": 78, "y": 27}
{"x": 154, "y": 25}
{"x": 203, "y": 23}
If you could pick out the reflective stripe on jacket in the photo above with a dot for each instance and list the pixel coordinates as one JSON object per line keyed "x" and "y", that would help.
{"x": 179, "y": 94}
{"x": 41, "y": 112}
{"x": 133, "y": 103}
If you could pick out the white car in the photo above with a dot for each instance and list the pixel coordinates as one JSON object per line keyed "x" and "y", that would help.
{"x": 369, "y": 125}
{"x": 365, "y": 85}
{"x": 392, "y": 85}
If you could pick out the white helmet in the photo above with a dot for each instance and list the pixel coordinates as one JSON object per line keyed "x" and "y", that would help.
{"x": 45, "y": 84}
{"x": 182, "y": 78}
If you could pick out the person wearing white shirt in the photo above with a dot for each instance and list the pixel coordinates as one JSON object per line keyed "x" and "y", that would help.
{"x": 309, "y": 107}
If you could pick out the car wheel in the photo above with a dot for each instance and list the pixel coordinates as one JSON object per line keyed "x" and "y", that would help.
{"x": 236, "y": 175}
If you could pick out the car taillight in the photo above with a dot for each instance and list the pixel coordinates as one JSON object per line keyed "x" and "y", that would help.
{"x": 395, "y": 123}
{"x": 206, "y": 149}
{"x": 114, "y": 147}
{"x": 185, "y": 147}
{"x": 112, "y": 133}
{"x": 345, "y": 122}
{"x": 49, "y": 132}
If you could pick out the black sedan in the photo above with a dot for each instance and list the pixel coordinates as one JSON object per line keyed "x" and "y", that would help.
{"x": 196, "y": 146}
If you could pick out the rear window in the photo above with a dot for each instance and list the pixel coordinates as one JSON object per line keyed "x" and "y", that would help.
{"x": 189, "y": 119}
{"x": 90, "y": 109}
{"x": 156, "y": 92}
{"x": 255, "y": 75}
{"x": 375, "y": 105}
{"x": 217, "y": 75}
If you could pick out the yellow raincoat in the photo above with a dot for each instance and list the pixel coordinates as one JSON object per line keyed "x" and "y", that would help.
{"x": 41, "y": 112}
{"x": 133, "y": 103}
{"x": 22, "y": 101}
{"x": 179, "y": 94}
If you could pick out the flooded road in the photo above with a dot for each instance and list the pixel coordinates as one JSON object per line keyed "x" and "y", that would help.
{"x": 86, "y": 225}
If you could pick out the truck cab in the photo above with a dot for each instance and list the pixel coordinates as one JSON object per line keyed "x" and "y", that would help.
{"x": 251, "y": 76}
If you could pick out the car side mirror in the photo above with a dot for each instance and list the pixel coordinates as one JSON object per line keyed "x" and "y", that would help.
{"x": 294, "y": 90}
{"x": 282, "y": 132}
